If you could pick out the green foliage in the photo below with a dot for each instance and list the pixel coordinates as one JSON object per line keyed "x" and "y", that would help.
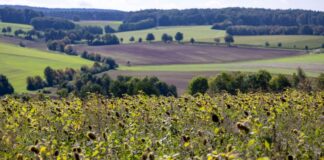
{"x": 198, "y": 85}
{"x": 178, "y": 37}
{"x": 109, "y": 29}
{"x": 229, "y": 39}
{"x": 246, "y": 126}
{"x": 279, "y": 83}
{"x": 320, "y": 81}
{"x": 5, "y": 86}
{"x": 35, "y": 83}
{"x": 150, "y": 37}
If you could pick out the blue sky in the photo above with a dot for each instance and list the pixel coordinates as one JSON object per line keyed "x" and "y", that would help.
{"x": 171, "y": 4}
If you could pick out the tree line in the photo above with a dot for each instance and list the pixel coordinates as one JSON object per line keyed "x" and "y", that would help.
{"x": 85, "y": 81}
{"x": 254, "y": 82}
{"x": 276, "y": 30}
{"x": 24, "y": 16}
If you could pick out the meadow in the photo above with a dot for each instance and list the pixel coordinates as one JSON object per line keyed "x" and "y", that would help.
{"x": 18, "y": 63}
{"x": 199, "y": 33}
{"x": 15, "y": 26}
{"x": 259, "y": 126}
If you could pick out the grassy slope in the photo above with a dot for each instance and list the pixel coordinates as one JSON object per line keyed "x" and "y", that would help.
{"x": 15, "y": 27}
{"x": 113, "y": 24}
{"x": 287, "y": 41}
{"x": 313, "y": 65}
{"x": 17, "y": 63}
{"x": 199, "y": 33}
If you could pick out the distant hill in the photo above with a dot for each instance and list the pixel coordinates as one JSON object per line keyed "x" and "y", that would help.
{"x": 70, "y": 13}
{"x": 143, "y": 19}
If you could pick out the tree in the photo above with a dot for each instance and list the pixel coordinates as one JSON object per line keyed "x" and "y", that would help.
{"x": 279, "y": 83}
{"x": 198, "y": 85}
{"x": 4, "y": 30}
{"x": 165, "y": 38}
{"x": 109, "y": 29}
{"x": 9, "y": 29}
{"x": 320, "y": 81}
{"x": 131, "y": 39}
{"x": 192, "y": 41}
{"x": 229, "y": 39}
{"x": 279, "y": 44}
{"x": 140, "y": 40}
{"x": 217, "y": 40}
{"x": 121, "y": 40}
{"x": 267, "y": 44}
{"x": 306, "y": 48}
{"x": 178, "y": 37}
{"x": 50, "y": 75}
{"x": 150, "y": 37}
{"x": 5, "y": 86}
{"x": 35, "y": 83}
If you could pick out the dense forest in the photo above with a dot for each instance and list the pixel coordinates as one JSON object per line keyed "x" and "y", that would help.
{"x": 238, "y": 16}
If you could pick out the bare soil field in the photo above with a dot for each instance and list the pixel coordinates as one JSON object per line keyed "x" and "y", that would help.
{"x": 179, "y": 79}
{"x": 159, "y": 53}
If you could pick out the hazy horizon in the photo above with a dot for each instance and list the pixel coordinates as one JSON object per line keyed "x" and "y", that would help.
{"x": 128, "y": 5}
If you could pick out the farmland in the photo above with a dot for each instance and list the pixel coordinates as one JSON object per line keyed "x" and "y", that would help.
{"x": 181, "y": 74}
{"x": 246, "y": 126}
{"x": 18, "y": 63}
{"x": 313, "y": 65}
{"x": 287, "y": 41}
{"x": 153, "y": 54}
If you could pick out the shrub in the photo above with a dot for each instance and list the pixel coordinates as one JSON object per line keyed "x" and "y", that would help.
{"x": 279, "y": 83}
{"x": 198, "y": 85}
{"x": 320, "y": 81}
{"x": 5, "y": 86}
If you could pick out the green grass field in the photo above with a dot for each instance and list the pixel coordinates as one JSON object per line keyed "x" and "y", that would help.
{"x": 287, "y": 41}
{"x": 15, "y": 27}
{"x": 313, "y": 65}
{"x": 113, "y": 24}
{"x": 17, "y": 63}
{"x": 199, "y": 33}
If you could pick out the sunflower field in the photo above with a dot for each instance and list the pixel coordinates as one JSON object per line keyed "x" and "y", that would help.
{"x": 262, "y": 126}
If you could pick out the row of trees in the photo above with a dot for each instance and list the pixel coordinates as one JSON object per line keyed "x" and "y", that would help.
{"x": 104, "y": 85}
{"x": 99, "y": 58}
{"x": 276, "y": 30}
{"x": 25, "y": 16}
{"x": 260, "y": 81}
{"x": 86, "y": 81}
{"x": 142, "y": 24}
{"x": 43, "y": 23}
{"x": 236, "y": 16}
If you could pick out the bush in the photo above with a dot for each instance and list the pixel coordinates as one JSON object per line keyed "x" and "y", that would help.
{"x": 35, "y": 83}
{"x": 279, "y": 83}
{"x": 109, "y": 29}
{"x": 5, "y": 86}
{"x": 198, "y": 85}
{"x": 320, "y": 82}
{"x": 150, "y": 37}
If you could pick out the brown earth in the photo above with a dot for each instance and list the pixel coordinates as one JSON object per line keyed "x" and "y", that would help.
{"x": 159, "y": 53}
